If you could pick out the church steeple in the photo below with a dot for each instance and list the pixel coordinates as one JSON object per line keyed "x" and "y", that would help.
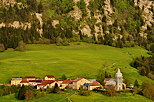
{"x": 119, "y": 80}
{"x": 118, "y": 74}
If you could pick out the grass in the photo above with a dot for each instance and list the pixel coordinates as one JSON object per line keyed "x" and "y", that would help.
{"x": 82, "y": 60}
{"x": 96, "y": 97}
{"x": 47, "y": 98}
{"x": 75, "y": 60}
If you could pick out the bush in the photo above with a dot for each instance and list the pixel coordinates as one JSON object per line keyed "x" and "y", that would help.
{"x": 148, "y": 90}
{"x": 84, "y": 92}
{"x": 2, "y": 48}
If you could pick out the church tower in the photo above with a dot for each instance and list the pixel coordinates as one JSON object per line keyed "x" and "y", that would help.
{"x": 119, "y": 80}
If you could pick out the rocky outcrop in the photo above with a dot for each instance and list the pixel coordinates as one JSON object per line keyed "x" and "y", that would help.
{"x": 6, "y": 2}
{"x": 147, "y": 7}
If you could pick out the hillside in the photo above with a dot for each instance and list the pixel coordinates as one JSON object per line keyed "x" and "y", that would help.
{"x": 116, "y": 23}
{"x": 41, "y": 60}
{"x": 76, "y": 60}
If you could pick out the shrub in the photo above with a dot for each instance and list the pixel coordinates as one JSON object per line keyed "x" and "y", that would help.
{"x": 2, "y": 48}
{"x": 84, "y": 92}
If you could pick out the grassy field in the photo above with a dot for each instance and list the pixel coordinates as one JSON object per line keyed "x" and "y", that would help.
{"x": 82, "y": 60}
{"x": 76, "y": 60}
{"x": 94, "y": 97}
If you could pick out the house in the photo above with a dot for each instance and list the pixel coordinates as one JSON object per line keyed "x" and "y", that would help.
{"x": 16, "y": 81}
{"x": 77, "y": 83}
{"x": 24, "y": 82}
{"x": 65, "y": 84}
{"x": 31, "y": 78}
{"x": 34, "y": 82}
{"x": 46, "y": 84}
{"x": 49, "y": 77}
{"x": 92, "y": 85}
{"x": 117, "y": 82}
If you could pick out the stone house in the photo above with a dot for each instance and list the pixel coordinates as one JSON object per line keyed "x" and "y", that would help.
{"x": 92, "y": 85}
{"x": 77, "y": 83}
{"x": 24, "y": 82}
{"x": 31, "y": 78}
{"x": 65, "y": 84}
{"x": 49, "y": 77}
{"x": 16, "y": 81}
{"x": 34, "y": 82}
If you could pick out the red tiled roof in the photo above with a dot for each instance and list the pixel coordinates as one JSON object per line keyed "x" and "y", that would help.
{"x": 94, "y": 85}
{"x": 95, "y": 82}
{"x": 67, "y": 82}
{"x": 41, "y": 84}
{"x": 35, "y": 80}
{"x": 107, "y": 79}
{"x": 24, "y": 80}
{"x": 78, "y": 79}
{"x": 50, "y": 76}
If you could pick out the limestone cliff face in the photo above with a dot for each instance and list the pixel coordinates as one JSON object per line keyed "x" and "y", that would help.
{"x": 95, "y": 25}
{"x": 147, "y": 7}
{"x": 7, "y": 2}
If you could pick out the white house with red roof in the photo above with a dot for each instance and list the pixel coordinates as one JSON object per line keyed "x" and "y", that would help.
{"x": 49, "y": 77}
{"x": 24, "y": 82}
{"x": 66, "y": 83}
{"x": 31, "y": 78}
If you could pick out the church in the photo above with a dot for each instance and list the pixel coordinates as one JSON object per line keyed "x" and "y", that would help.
{"x": 117, "y": 82}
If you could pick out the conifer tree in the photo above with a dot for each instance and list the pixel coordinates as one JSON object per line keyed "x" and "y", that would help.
{"x": 21, "y": 94}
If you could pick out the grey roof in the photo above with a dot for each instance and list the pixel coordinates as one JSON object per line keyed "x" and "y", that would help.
{"x": 16, "y": 79}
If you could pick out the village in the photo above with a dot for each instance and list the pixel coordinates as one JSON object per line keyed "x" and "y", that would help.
{"x": 49, "y": 81}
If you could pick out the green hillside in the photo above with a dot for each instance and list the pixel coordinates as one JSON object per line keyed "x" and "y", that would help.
{"x": 76, "y": 60}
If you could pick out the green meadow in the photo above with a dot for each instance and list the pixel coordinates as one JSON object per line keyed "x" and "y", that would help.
{"x": 76, "y": 60}
{"x": 94, "y": 97}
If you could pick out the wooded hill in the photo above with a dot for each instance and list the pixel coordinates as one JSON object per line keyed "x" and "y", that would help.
{"x": 119, "y": 23}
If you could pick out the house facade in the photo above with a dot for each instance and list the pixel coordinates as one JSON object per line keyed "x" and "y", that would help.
{"x": 16, "y": 81}
{"x": 49, "y": 77}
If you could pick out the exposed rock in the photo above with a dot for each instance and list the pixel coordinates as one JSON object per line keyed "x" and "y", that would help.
{"x": 39, "y": 17}
{"x": 55, "y": 22}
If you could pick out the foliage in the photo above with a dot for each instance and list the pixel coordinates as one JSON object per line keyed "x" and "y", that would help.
{"x": 2, "y": 48}
{"x": 145, "y": 66}
{"x": 148, "y": 90}
{"x": 63, "y": 77}
{"x": 83, "y": 92}
{"x": 82, "y": 5}
{"x": 62, "y": 6}
{"x": 21, "y": 94}
{"x": 56, "y": 88}
{"x": 29, "y": 95}
{"x": 136, "y": 84}
{"x": 110, "y": 90}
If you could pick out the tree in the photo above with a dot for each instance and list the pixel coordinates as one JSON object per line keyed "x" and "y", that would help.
{"x": 84, "y": 92}
{"x": 21, "y": 94}
{"x": 29, "y": 95}
{"x": 40, "y": 7}
{"x": 63, "y": 77}
{"x": 110, "y": 90}
{"x": 56, "y": 88}
{"x": 2, "y": 48}
{"x": 136, "y": 83}
{"x": 21, "y": 45}
{"x": 148, "y": 90}
{"x": 152, "y": 47}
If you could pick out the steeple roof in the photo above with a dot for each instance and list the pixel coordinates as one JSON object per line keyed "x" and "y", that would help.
{"x": 118, "y": 74}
